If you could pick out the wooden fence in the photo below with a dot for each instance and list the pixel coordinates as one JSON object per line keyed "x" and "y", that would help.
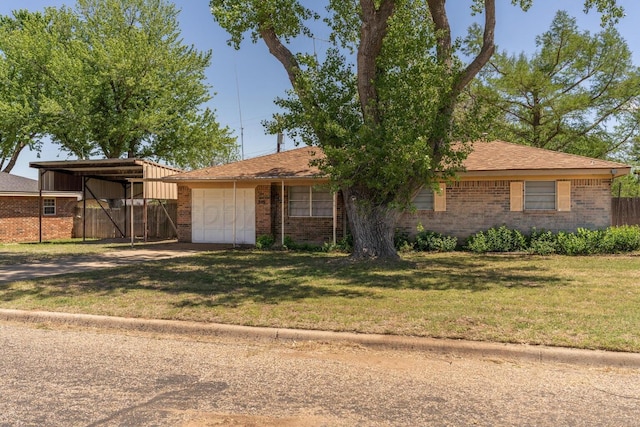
{"x": 625, "y": 210}
{"x": 98, "y": 225}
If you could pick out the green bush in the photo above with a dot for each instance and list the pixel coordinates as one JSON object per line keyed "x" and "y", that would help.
{"x": 265, "y": 242}
{"x": 344, "y": 245}
{"x": 582, "y": 242}
{"x": 625, "y": 238}
{"x": 289, "y": 244}
{"x": 500, "y": 239}
{"x": 402, "y": 242}
{"x": 542, "y": 242}
{"x": 430, "y": 241}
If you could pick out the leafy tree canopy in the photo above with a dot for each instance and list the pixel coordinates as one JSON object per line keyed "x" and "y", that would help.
{"x": 576, "y": 94}
{"x": 22, "y": 93}
{"x": 120, "y": 82}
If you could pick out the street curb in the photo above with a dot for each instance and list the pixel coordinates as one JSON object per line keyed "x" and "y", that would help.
{"x": 521, "y": 352}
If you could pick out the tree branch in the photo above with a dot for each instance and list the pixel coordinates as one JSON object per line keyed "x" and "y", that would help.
{"x": 372, "y": 32}
{"x": 282, "y": 53}
{"x": 443, "y": 31}
{"x": 488, "y": 45}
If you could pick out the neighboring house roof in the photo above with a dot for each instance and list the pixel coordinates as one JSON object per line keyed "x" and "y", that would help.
{"x": 486, "y": 159}
{"x": 17, "y": 184}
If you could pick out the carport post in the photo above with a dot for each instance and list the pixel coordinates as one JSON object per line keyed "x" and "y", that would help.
{"x": 131, "y": 210}
{"x": 124, "y": 185}
{"x": 84, "y": 208}
{"x": 40, "y": 206}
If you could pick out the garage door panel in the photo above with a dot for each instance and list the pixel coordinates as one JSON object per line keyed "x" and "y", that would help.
{"x": 213, "y": 216}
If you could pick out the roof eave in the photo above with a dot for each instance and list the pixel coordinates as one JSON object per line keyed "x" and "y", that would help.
{"x": 602, "y": 172}
{"x": 242, "y": 179}
{"x": 47, "y": 194}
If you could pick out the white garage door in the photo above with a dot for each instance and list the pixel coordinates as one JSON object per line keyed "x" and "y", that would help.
{"x": 213, "y": 219}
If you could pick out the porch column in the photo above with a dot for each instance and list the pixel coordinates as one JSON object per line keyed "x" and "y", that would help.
{"x": 282, "y": 215}
{"x": 335, "y": 217}
{"x": 235, "y": 211}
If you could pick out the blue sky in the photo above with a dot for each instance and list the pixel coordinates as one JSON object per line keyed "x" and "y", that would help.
{"x": 247, "y": 81}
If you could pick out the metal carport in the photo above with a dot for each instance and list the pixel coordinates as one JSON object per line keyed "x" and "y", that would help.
{"x": 111, "y": 179}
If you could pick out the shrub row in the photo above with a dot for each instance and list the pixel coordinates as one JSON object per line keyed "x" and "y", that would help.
{"x": 498, "y": 239}
{"x": 582, "y": 242}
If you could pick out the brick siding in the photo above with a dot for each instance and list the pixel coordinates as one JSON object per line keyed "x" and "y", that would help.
{"x": 19, "y": 219}
{"x": 474, "y": 206}
{"x": 184, "y": 214}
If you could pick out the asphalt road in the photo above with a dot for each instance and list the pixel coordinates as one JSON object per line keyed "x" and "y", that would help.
{"x": 70, "y": 376}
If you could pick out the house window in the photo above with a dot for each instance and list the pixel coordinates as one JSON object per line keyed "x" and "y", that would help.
{"x": 424, "y": 200}
{"x": 310, "y": 202}
{"x": 539, "y": 195}
{"x": 49, "y": 206}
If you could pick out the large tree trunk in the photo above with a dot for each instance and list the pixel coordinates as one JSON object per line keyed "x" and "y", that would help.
{"x": 372, "y": 227}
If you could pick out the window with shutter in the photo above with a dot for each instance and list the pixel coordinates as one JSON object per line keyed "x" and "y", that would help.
{"x": 539, "y": 195}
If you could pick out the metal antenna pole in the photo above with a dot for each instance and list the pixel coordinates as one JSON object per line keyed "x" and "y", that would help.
{"x": 240, "y": 112}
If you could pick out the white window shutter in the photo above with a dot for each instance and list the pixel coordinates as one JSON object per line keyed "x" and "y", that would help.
{"x": 440, "y": 199}
{"x": 516, "y": 196}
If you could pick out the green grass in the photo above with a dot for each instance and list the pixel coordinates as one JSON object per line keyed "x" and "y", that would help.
{"x": 22, "y": 253}
{"x": 583, "y": 302}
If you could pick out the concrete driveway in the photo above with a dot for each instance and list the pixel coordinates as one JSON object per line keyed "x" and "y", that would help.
{"x": 74, "y": 264}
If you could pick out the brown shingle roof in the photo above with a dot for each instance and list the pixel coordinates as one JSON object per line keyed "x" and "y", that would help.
{"x": 492, "y": 156}
{"x": 287, "y": 164}
{"x": 505, "y": 156}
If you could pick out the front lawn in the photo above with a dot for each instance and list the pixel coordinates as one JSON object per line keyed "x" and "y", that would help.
{"x": 22, "y": 253}
{"x": 584, "y": 302}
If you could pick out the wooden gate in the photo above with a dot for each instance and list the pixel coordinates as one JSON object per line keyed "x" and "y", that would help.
{"x": 625, "y": 210}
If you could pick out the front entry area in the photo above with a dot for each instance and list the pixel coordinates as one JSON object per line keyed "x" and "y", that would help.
{"x": 223, "y": 215}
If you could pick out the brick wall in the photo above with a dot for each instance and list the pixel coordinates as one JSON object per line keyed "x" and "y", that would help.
{"x": 474, "y": 206}
{"x": 264, "y": 214}
{"x": 184, "y": 214}
{"x": 19, "y": 219}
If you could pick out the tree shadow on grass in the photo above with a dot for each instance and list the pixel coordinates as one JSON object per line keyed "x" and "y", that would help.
{"x": 444, "y": 272}
{"x": 215, "y": 279}
{"x": 231, "y": 278}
